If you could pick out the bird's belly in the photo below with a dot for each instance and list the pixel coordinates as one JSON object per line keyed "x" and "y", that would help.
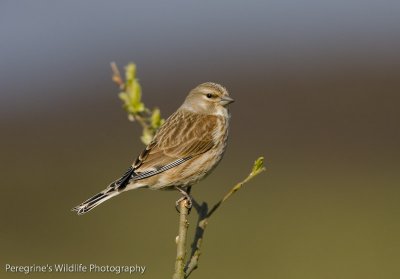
{"x": 189, "y": 172}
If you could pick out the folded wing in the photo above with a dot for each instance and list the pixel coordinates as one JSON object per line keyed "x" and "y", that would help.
{"x": 184, "y": 136}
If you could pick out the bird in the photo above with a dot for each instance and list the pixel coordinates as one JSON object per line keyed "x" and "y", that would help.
{"x": 184, "y": 150}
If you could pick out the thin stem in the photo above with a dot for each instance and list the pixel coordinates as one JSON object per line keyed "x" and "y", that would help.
{"x": 204, "y": 216}
{"x": 116, "y": 77}
{"x": 142, "y": 117}
{"x": 202, "y": 211}
{"x": 181, "y": 241}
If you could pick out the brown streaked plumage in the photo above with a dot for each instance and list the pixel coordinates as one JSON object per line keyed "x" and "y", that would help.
{"x": 186, "y": 148}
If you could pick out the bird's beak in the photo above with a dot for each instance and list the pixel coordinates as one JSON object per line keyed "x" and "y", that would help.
{"x": 226, "y": 100}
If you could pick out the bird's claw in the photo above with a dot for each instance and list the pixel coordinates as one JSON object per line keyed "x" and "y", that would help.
{"x": 187, "y": 202}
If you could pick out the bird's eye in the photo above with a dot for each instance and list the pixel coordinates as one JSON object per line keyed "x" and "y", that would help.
{"x": 209, "y": 95}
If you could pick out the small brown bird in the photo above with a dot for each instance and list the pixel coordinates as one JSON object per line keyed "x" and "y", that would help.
{"x": 186, "y": 148}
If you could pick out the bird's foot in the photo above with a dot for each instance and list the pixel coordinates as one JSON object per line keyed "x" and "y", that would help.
{"x": 185, "y": 198}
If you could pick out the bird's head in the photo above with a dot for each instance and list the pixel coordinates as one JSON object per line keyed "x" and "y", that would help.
{"x": 208, "y": 98}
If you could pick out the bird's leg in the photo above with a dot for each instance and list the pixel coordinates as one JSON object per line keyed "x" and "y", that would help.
{"x": 185, "y": 196}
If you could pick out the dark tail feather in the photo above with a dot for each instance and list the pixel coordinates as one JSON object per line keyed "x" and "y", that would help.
{"x": 112, "y": 190}
{"x": 95, "y": 201}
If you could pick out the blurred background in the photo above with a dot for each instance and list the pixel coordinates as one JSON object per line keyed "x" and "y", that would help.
{"x": 316, "y": 85}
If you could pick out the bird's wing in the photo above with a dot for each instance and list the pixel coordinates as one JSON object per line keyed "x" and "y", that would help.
{"x": 183, "y": 136}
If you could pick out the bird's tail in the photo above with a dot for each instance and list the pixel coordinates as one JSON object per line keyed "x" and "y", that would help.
{"x": 111, "y": 191}
{"x": 96, "y": 200}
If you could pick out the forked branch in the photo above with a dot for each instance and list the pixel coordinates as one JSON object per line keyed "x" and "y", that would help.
{"x": 205, "y": 214}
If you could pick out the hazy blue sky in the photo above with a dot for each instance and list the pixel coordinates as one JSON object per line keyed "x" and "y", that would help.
{"x": 44, "y": 43}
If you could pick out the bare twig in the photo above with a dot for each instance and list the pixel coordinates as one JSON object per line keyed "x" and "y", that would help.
{"x": 116, "y": 77}
{"x": 202, "y": 211}
{"x": 181, "y": 241}
{"x": 204, "y": 216}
